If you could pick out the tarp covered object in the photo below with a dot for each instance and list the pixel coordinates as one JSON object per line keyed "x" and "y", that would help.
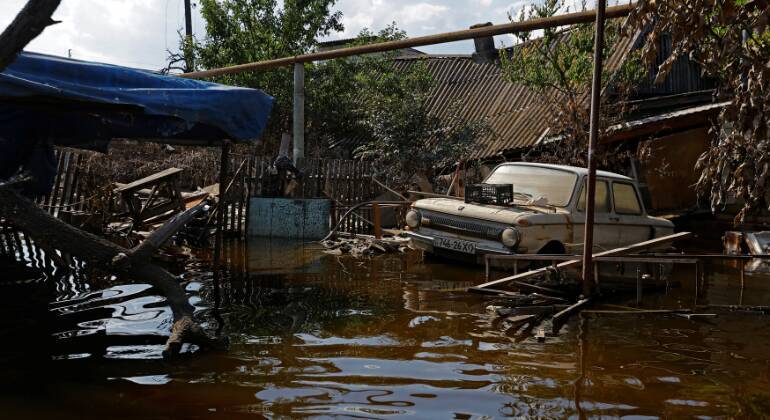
{"x": 47, "y": 100}
{"x": 238, "y": 112}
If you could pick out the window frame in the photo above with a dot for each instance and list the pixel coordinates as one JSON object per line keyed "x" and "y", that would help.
{"x": 636, "y": 194}
{"x": 584, "y": 186}
{"x": 575, "y": 185}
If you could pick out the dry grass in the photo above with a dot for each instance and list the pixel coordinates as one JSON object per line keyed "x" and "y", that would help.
{"x": 128, "y": 161}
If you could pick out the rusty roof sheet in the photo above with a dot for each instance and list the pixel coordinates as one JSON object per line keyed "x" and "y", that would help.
{"x": 516, "y": 115}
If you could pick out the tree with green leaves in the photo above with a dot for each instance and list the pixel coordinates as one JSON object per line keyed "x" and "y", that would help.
{"x": 558, "y": 66}
{"x": 366, "y": 100}
{"x": 730, "y": 40}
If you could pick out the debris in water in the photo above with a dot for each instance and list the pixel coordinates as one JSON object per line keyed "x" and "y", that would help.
{"x": 364, "y": 245}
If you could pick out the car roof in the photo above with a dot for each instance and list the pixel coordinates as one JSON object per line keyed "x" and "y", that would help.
{"x": 574, "y": 169}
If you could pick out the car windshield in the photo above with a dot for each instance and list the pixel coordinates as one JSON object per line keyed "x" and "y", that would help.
{"x": 532, "y": 183}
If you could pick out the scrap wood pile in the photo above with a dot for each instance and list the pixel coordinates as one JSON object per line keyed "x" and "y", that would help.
{"x": 560, "y": 299}
{"x": 365, "y": 245}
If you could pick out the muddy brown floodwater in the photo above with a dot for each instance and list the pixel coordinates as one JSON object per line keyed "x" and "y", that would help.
{"x": 396, "y": 336}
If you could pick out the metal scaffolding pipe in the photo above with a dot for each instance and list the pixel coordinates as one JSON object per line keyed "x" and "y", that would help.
{"x": 486, "y": 31}
{"x": 596, "y": 88}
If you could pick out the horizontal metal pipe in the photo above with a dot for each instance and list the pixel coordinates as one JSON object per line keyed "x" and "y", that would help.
{"x": 481, "y": 32}
{"x": 626, "y": 258}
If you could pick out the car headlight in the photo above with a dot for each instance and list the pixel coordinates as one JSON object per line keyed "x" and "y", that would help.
{"x": 413, "y": 218}
{"x": 510, "y": 237}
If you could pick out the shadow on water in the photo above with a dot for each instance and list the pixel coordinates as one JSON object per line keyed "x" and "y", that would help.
{"x": 319, "y": 335}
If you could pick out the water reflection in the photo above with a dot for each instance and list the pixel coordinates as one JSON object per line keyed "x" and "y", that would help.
{"x": 318, "y": 335}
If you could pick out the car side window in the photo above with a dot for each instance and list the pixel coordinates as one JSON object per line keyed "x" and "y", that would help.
{"x": 626, "y": 200}
{"x": 601, "y": 198}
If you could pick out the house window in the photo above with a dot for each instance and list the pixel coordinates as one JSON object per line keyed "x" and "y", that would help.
{"x": 601, "y": 198}
{"x": 626, "y": 200}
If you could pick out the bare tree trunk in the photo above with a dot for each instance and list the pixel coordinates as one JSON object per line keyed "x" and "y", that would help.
{"x": 28, "y": 24}
{"x": 133, "y": 263}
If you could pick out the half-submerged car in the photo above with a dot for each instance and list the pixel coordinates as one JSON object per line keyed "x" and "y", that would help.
{"x": 532, "y": 208}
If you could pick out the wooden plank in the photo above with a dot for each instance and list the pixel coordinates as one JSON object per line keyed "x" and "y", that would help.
{"x": 146, "y": 181}
{"x": 635, "y": 312}
{"x": 536, "y": 288}
{"x": 560, "y": 318}
{"x": 57, "y": 184}
{"x": 617, "y": 251}
{"x": 67, "y": 184}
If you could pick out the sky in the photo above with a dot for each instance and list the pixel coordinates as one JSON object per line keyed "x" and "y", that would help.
{"x": 138, "y": 33}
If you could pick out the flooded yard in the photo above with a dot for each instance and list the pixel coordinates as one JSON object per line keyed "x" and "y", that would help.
{"x": 394, "y": 336}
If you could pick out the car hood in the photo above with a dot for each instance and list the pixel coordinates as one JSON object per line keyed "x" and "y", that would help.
{"x": 492, "y": 213}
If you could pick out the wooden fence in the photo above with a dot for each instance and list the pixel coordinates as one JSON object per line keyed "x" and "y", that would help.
{"x": 344, "y": 182}
{"x": 67, "y": 193}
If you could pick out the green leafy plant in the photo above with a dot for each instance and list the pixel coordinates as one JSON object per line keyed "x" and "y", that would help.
{"x": 730, "y": 40}
{"x": 557, "y": 64}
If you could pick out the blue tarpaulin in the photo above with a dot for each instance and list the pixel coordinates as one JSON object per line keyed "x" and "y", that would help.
{"x": 238, "y": 112}
{"x": 47, "y": 100}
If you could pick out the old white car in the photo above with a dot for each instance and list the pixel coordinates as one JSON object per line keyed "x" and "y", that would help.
{"x": 546, "y": 215}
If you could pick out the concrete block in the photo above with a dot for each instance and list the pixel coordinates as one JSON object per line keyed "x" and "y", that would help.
{"x": 306, "y": 219}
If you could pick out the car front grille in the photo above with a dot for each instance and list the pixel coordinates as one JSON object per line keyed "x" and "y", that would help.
{"x": 463, "y": 226}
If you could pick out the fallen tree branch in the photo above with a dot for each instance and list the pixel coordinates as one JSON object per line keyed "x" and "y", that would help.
{"x": 28, "y": 24}
{"x": 136, "y": 264}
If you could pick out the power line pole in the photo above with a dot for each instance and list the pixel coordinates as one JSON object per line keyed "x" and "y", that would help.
{"x": 188, "y": 52}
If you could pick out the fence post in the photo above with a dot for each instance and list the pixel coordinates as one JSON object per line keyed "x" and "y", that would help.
{"x": 377, "y": 221}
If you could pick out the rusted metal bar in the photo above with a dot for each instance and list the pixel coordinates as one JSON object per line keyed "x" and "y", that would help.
{"x": 354, "y": 208}
{"x": 743, "y": 281}
{"x": 480, "y": 32}
{"x": 596, "y": 87}
{"x": 434, "y": 195}
{"x": 635, "y": 311}
{"x": 638, "y": 286}
{"x": 652, "y": 243}
{"x": 663, "y": 259}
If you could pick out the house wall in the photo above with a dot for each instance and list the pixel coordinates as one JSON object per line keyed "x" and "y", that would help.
{"x": 667, "y": 169}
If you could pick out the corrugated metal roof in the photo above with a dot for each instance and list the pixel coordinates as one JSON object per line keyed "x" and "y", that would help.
{"x": 516, "y": 115}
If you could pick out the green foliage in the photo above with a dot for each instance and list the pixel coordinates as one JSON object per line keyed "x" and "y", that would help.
{"x": 731, "y": 43}
{"x": 243, "y": 31}
{"x": 558, "y": 65}
{"x": 370, "y": 100}
{"x": 405, "y": 139}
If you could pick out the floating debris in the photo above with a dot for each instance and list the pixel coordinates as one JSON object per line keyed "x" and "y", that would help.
{"x": 364, "y": 245}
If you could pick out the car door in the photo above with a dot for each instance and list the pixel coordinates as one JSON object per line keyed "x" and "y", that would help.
{"x": 605, "y": 229}
{"x": 631, "y": 221}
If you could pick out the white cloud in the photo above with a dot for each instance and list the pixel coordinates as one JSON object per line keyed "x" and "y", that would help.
{"x": 138, "y": 32}
{"x": 420, "y": 12}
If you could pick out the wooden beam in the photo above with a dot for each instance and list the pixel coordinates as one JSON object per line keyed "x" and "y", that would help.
{"x": 480, "y": 32}
{"x": 560, "y": 318}
{"x": 617, "y": 251}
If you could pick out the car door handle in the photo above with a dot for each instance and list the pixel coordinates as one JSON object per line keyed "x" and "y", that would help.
{"x": 615, "y": 219}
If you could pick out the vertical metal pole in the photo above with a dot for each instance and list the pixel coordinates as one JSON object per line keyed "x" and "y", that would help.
{"x": 377, "y": 221}
{"x": 224, "y": 163}
{"x": 743, "y": 280}
{"x": 189, "y": 60}
{"x": 638, "y": 286}
{"x": 596, "y": 87}
{"x": 299, "y": 112}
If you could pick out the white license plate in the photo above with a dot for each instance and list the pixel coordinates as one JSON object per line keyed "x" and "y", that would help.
{"x": 458, "y": 245}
